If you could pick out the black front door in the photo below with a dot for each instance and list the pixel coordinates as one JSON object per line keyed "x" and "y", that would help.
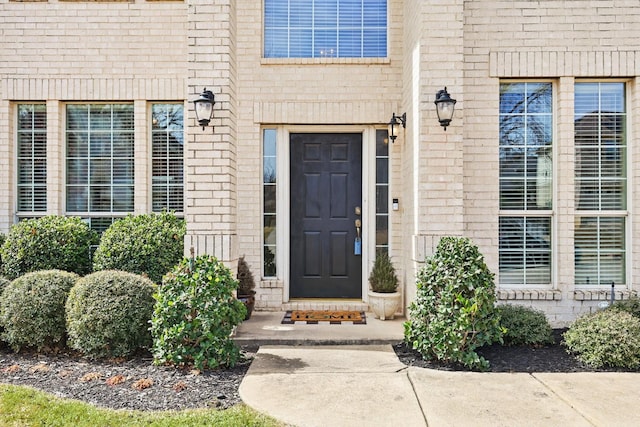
{"x": 326, "y": 192}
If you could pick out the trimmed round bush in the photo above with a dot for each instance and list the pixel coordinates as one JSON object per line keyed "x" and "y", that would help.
{"x": 48, "y": 243}
{"x": 607, "y": 338}
{"x": 149, "y": 244}
{"x": 524, "y": 326}
{"x": 631, "y": 306}
{"x": 108, "y": 314}
{"x": 194, "y": 315}
{"x": 454, "y": 310}
{"x": 32, "y": 309}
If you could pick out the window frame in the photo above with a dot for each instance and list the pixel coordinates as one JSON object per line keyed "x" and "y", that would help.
{"x": 107, "y": 216}
{"x": 527, "y": 213}
{"x": 21, "y": 213}
{"x": 166, "y": 185}
{"x": 599, "y": 214}
{"x": 265, "y": 56}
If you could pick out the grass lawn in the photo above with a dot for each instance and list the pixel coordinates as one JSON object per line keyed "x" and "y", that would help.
{"x": 24, "y": 406}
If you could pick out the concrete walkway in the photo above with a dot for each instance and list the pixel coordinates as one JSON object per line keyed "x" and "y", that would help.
{"x": 353, "y": 384}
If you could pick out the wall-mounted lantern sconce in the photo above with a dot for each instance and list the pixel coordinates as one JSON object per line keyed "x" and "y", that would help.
{"x": 394, "y": 125}
{"x": 204, "y": 107}
{"x": 444, "y": 107}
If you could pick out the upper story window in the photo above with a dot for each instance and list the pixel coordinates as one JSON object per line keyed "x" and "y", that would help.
{"x": 325, "y": 29}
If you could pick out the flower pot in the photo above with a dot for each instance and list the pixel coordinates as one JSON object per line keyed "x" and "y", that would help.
{"x": 249, "y": 302}
{"x": 384, "y": 305}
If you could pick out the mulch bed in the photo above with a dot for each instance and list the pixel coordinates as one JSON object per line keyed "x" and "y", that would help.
{"x": 123, "y": 384}
{"x": 520, "y": 358}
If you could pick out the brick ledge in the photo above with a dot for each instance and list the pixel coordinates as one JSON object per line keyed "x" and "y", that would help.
{"x": 529, "y": 294}
{"x": 602, "y": 295}
{"x": 271, "y": 284}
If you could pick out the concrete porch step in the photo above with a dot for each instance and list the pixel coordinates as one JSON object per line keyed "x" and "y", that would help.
{"x": 315, "y": 304}
{"x": 265, "y": 328}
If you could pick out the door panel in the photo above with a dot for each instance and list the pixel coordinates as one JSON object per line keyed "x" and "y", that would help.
{"x": 326, "y": 187}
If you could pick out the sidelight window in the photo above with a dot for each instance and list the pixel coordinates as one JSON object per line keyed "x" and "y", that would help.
{"x": 269, "y": 202}
{"x": 382, "y": 191}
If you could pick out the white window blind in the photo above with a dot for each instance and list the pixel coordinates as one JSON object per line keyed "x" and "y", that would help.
{"x": 325, "y": 28}
{"x": 526, "y": 183}
{"x": 167, "y": 136}
{"x": 32, "y": 158}
{"x": 100, "y": 158}
{"x": 600, "y": 183}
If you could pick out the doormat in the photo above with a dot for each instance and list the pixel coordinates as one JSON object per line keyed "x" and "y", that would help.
{"x": 334, "y": 317}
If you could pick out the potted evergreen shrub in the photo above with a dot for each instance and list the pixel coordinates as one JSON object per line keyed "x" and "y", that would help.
{"x": 246, "y": 294}
{"x": 384, "y": 299}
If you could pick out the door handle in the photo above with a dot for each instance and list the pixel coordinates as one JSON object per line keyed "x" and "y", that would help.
{"x": 358, "y": 225}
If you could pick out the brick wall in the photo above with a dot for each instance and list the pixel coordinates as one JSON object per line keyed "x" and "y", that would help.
{"x": 85, "y": 51}
{"x": 559, "y": 41}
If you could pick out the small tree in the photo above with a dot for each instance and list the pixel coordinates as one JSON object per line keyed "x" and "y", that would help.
{"x": 454, "y": 312}
{"x": 194, "y": 314}
{"x": 246, "y": 283}
{"x": 383, "y": 276}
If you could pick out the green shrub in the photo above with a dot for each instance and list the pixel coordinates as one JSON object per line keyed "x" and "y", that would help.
{"x": 32, "y": 309}
{"x": 108, "y": 314}
{"x": 383, "y": 274}
{"x": 3, "y": 284}
{"x": 524, "y": 326}
{"x": 454, "y": 312}
{"x": 606, "y": 338}
{"x": 3, "y": 238}
{"x": 150, "y": 244}
{"x": 631, "y": 306}
{"x": 194, "y": 315}
{"x": 48, "y": 243}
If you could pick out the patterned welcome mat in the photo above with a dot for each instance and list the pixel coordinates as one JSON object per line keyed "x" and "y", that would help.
{"x": 334, "y": 317}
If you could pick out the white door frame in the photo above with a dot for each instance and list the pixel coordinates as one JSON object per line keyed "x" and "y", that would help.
{"x": 284, "y": 193}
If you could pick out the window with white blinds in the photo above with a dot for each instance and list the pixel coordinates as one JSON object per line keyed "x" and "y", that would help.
{"x": 167, "y": 135}
{"x": 526, "y": 183}
{"x": 32, "y": 158}
{"x": 325, "y": 28}
{"x": 600, "y": 183}
{"x": 100, "y": 159}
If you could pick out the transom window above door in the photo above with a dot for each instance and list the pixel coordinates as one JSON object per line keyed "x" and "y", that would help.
{"x": 325, "y": 29}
